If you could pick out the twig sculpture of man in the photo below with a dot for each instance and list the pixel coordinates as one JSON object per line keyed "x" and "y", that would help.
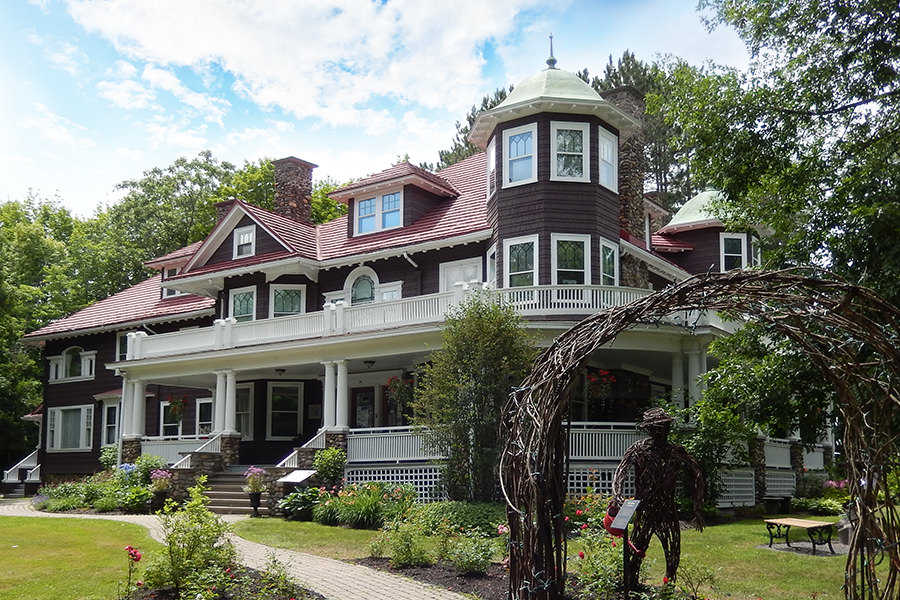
{"x": 657, "y": 463}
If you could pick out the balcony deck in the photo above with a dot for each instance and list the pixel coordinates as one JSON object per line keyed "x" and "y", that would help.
{"x": 338, "y": 319}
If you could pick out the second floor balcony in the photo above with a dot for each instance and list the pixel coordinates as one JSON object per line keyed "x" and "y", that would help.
{"x": 564, "y": 302}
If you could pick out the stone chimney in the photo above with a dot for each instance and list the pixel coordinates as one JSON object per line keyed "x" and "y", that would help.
{"x": 222, "y": 209}
{"x": 293, "y": 189}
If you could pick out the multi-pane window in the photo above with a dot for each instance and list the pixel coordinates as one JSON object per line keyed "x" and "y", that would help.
{"x": 390, "y": 210}
{"x": 110, "y": 424}
{"x": 491, "y": 156}
{"x": 362, "y": 290}
{"x": 244, "y": 411}
{"x": 170, "y": 418}
{"x": 734, "y": 251}
{"x": 244, "y": 241}
{"x": 73, "y": 363}
{"x": 609, "y": 264}
{"x": 519, "y": 159}
{"x": 379, "y": 213}
{"x": 285, "y": 404}
{"x": 570, "y": 154}
{"x": 609, "y": 160}
{"x": 520, "y": 258}
{"x": 571, "y": 259}
{"x": 243, "y": 304}
{"x": 204, "y": 417}
{"x": 287, "y": 300}
{"x": 70, "y": 428}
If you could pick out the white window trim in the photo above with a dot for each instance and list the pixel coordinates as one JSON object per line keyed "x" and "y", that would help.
{"x": 287, "y": 286}
{"x": 521, "y": 240}
{"x": 586, "y": 154}
{"x": 604, "y": 133}
{"x": 212, "y": 421}
{"x": 380, "y": 288}
{"x": 491, "y": 263}
{"x": 162, "y": 411}
{"x": 122, "y": 335}
{"x": 491, "y": 167}
{"x": 532, "y": 127}
{"x": 57, "y": 366}
{"x": 300, "y": 407}
{"x": 732, "y": 236}
{"x": 465, "y": 262}
{"x": 236, "y": 235}
{"x": 570, "y": 237}
{"x": 246, "y": 436}
{"x": 235, "y": 292}
{"x": 106, "y": 425}
{"x": 755, "y": 252}
{"x": 169, "y": 292}
{"x": 379, "y": 200}
{"x": 385, "y": 289}
{"x": 604, "y": 243}
{"x": 54, "y": 433}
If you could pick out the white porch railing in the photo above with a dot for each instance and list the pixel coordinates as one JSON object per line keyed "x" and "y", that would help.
{"x": 601, "y": 441}
{"x": 11, "y": 475}
{"x": 214, "y": 444}
{"x": 814, "y": 459}
{"x": 338, "y": 319}
{"x": 778, "y": 453}
{"x": 387, "y": 444}
{"x": 170, "y": 449}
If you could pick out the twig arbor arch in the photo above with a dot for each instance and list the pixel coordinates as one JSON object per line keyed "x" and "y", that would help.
{"x": 848, "y": 332}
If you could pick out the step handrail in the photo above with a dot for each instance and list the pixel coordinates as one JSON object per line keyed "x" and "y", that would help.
{"x": 11, "y": 475}
{"x": 214, "y": 444}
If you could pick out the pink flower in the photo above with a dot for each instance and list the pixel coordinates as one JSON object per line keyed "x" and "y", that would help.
{"x": 613, "y": 544}
{"x": 579, "y": 512}
{"x": 584, "y": 525}
{"x": 140, "y": 583}
{"x": 580, "y": 554}
{"x": 567, "y": 518}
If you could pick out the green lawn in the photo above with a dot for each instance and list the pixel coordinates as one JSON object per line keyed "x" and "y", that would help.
{"x": 743, "y": 571}
{"x": 79, "y": 559}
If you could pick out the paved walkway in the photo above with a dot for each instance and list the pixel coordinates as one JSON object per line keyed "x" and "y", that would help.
{"x": 334, "y": 579}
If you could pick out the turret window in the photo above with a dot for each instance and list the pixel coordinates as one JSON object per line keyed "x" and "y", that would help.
{"x": 520, "y": 259}
{"x": 609, "y": 263}
{"x": 570, "y": 151}
{"x": 519, "y": 159}
{"x": 571, "y": 259}
{"x": 609, "y": 160}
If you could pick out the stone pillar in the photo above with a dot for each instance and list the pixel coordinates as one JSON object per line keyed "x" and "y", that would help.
{"x": 231, "y": 448}
{"x": 336, "y": 439}
{"x": 293, "y": 189}
{"x": 131, "y": 449}
{"x": 219, "y": 403}
{"x": 797, "y": 454}
{"x": 678, "y": 379}
{"x": 230, "y": 402}
{"x": 758, "y": 462}
{"x": 342, "y": 416}
{"x": 139, "y": 415}
{"x": 328, "y": 397}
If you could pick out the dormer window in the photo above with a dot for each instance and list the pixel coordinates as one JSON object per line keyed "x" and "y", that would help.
{"x": 244, "y": 241}
{"x": 168, "y": 274}
{"x": 381, "y": 212}
{"x": 519, "y": 159}
{"x": 609, "y": 160}
{"x": 570, "y": 151}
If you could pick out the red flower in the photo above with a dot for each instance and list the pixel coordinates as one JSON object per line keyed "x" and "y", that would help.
{"x": 665, "y": 580}
{"x": 140, "y": 583}
{"x": 579, "y": 512}
{"x": 584, "y": 525}
{"x": 580, "y": 554}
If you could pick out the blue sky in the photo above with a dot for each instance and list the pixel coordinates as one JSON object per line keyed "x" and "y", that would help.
{"x": 98, "y": 91}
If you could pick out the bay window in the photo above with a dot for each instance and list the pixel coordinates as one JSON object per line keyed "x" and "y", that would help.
{"x": 609, "y": 263}
{"x": 733, "y": 247}
{"x": 520, "y": 260}
{"x": 571, "y": 259}
{"x": 570, "y": 152}
{"x": 609, "y": 160}
{"x": 520, "y": 155}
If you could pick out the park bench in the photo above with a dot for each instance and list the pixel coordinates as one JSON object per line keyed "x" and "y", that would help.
{"x": 819, "y": 532}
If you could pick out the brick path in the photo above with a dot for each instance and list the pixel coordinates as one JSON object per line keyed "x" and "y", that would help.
{"x": 334, "y": 579}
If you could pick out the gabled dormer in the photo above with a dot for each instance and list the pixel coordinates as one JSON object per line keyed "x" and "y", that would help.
{"x": 392, "y": 199}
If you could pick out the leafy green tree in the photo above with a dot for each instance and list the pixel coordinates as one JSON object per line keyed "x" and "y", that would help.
{"x": 486, "y": 352}
{"x": 461, "y": 148}
{"x": 254, "y": 183}
{"x": 805, "y": 140}
{"x": 325, "y": 209}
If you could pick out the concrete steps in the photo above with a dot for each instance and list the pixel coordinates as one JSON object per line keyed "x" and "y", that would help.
{"x": 226, "y": 496}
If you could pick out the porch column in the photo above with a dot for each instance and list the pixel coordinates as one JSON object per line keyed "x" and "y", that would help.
{"x": 342, "y": 420}
{"x": 139, "y": 416}
{"x": 678, "y": 379}
{"x": 125, "y": 417}
{"x": 703, "y": 368}
{"x": 693, "y": 374}
{"x": 230, "y": 402}
{"x": 219, "y": 403}
{"x": 328, "y": 397}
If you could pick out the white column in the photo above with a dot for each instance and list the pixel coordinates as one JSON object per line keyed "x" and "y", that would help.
{"x": 127, "y": 408}
{"x": 219, "y": 403}
{"x": 678, "y": 378}
{"x": 703, "y": 369}
{"x": 343, "y": 397}
{"x": 230, "y": 401}
{"x": 138, "y": 419}
{"x": 328, "y": 397}
{"x": 693, "y": 375}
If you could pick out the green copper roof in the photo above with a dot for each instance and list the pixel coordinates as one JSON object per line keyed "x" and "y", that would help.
{"x": 694, "y": 214}
{"x": 551, "y": 83}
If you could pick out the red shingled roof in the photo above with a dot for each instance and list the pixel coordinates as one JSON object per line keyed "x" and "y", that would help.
{"x": 399, "y": 171}
{"x": 666, "y": 243}
{"x": 180, "y": 254}
{"x": 139, "y": 303}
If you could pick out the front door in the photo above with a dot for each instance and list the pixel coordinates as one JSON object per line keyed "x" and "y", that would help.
{"x": 363, "y": 407}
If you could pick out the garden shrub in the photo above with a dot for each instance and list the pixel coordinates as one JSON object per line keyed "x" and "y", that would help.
{"x": 299, "y": 504}
{"x": 197, "y": 554}
{"x": 481, "y": 517}
{"x": 106, "y": 503}
{"x": 146, "y": 463}
{"x": 109, "y": 456}
{"x": 692, "y": 578}
{"x": 809, "y": 486}
{"x": 471, "y": 554}
{"x": 327, "y": 511}
{"x": 818, "y": 506}
{"x": 407, "y": 546}
{"x": 597, "y": 569}
{"x": 359, "y": 506}
{"x": 135, "y": 499}
{"x": 329, "y": 464}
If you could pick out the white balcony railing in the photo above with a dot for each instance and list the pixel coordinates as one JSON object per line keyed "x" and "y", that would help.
{"x": 601, "y": 441}
{"x": 387, "y": 444}
{"x": 170, "y": 449}
{"x": 335, "y": 319}
{"x": 213, "y": 444}
{"x": 778, "y": 453}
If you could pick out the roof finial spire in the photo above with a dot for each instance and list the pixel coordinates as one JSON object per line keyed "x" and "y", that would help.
{"x": 551, "y": 62}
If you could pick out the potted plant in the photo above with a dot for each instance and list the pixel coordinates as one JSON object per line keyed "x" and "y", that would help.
{"x": 160, "y": 482}
{"x": 253, "y": 478}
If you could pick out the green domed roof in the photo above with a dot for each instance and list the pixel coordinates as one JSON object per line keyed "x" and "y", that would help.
{"x": 696, "y": 213}
{"x": 550, "y": 90}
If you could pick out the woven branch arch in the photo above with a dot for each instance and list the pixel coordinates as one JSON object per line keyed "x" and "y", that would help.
{"x": 849, "y": 332}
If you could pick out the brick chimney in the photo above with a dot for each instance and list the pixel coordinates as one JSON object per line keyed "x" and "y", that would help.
{"x": 293, "y": 189}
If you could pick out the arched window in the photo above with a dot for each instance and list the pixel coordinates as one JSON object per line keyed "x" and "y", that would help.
{"x": 72, "y": 362}
{"x": 362, "y": 290}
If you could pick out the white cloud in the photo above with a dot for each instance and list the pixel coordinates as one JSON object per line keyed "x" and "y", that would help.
{"x": 212, "y": 109}
{"x": 127, "y": 94}
{"x": 57, "y": 129}
{"x": 162, "y": 132}
{"x": 62, "y": 55}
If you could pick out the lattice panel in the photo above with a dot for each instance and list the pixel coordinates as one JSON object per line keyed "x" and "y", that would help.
{"x": 740, "y": 488}
{"x": 425, "y": 479}
{"x": 780, "y": 484}
{"x": 598, "y": 479}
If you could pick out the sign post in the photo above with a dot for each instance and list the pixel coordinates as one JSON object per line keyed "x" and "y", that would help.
{"x": 623, "y": 518}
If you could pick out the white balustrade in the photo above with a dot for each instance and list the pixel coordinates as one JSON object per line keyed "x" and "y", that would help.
{"x": 394, "y": 444}
{"x": 214, "y": 444}
{"x": 291, "y": 461}
{"x": 12, "y": 474}
{"x": 177, "y": 342}
{"x": 814, "y": 460}
{"x": 778, "y": 453}
{"x": 170, "y": 449}
{"x": 601, "y": 441}
{"x": 780, "y": 484}
{"x": 739, "y": 488}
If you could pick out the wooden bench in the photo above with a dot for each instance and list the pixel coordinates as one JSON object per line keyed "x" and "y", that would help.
{"x": 819, "y": 532}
